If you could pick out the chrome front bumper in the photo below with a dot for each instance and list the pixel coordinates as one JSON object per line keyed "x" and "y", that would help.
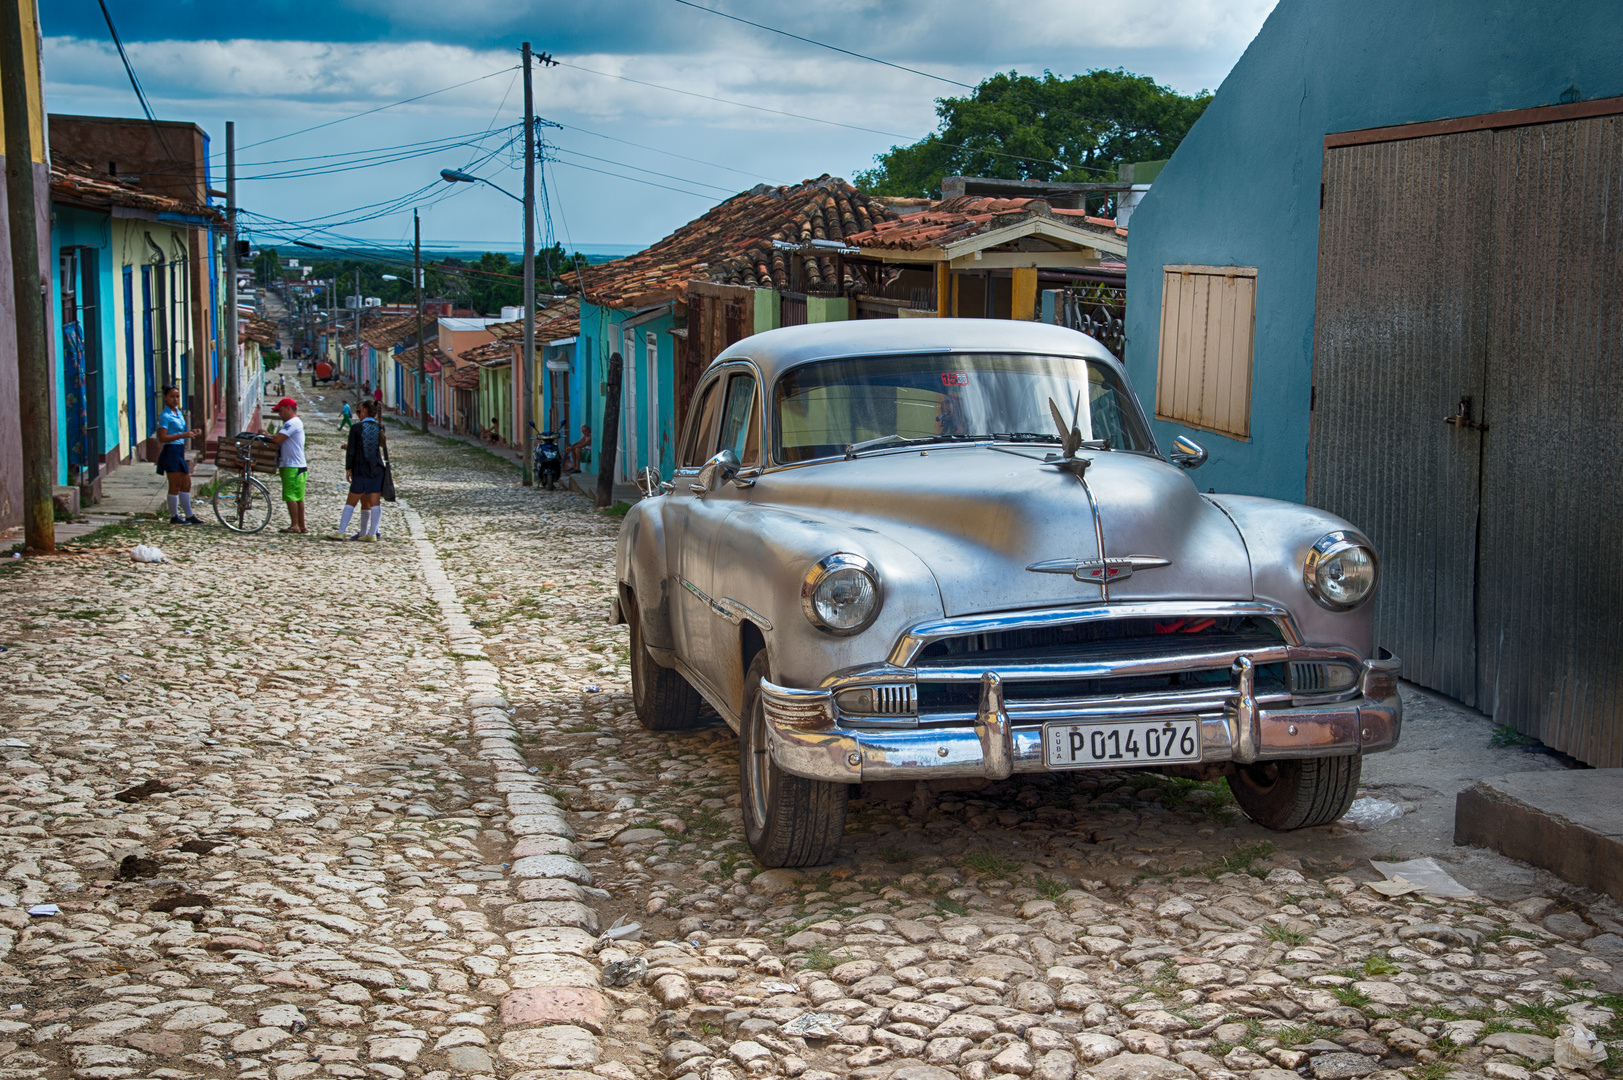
{"x": 806, "y": 738}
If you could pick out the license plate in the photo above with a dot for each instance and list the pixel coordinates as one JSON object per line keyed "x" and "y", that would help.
{"x": 1112, "y": 744}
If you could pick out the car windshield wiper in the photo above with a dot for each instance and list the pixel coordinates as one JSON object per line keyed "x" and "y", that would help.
{"x": 853, "y": 449}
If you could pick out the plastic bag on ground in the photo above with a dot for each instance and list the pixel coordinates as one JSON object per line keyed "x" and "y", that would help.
{"x": 1432, "y": 879}
{"x": 1578, "y": 1048}
{"x": 1368, "y": 813}
{"x": 145, "y": 553}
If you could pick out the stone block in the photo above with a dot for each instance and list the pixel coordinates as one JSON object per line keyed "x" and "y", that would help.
{"x": 1569, "y": 822}
{"x": 579, "y": 1006}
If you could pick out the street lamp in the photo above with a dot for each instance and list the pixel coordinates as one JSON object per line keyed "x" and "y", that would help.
{"x": 457, "y": 176}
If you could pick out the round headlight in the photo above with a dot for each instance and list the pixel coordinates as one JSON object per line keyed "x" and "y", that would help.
{"x": 841, "y": 594}
{"x": 1340, "y": 571}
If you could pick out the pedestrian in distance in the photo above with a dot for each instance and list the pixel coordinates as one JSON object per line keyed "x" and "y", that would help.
{"x": 291, "y": 463}
{"x": 574, "y": 451}
{"x": 173, "y": 433}
{"x": 377, "y": 399}
{"x": 493, "y": 433}
{"x": 366, "y": 468}
{"x": 345, "y": 421}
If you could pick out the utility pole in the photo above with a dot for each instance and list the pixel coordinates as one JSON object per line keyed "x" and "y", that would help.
{"x": 528, "y": 412}
{"x": 33, "y": 361}
{"x": 358, "y": 353}
{"x": 422, "y": 361}
{"x": 233, "y": 388}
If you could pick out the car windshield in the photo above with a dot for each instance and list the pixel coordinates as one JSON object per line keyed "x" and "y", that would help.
{"x": 820, "y": 409}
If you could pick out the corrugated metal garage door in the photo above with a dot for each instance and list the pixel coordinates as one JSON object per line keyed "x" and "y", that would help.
{"x": 1479, "y": 275}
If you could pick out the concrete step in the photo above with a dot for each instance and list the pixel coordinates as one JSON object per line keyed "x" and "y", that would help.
{"x": 1570, "y": 823}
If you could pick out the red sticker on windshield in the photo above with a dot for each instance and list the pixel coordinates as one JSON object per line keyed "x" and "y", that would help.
{"x": 954, "y": 378}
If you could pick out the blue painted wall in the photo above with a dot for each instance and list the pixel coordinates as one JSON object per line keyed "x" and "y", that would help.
{"x": 71, "y": 227}
{"x": 1243, "y": 188}
{"x": 601, "y": 333}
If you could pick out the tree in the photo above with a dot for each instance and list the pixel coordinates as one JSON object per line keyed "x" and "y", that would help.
{"x": 1019, "y": 127}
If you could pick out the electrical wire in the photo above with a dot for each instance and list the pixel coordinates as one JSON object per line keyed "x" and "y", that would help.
{"x": 380, "y": 108}
{"x": 823, "y": 44}
{"x": 670, "y": 153}
{"x": 820, "y": 120}
{"x": 636, "y": 180}
{"x": 650, "y": 172}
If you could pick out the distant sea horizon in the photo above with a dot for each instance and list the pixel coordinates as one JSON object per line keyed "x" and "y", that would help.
{"x": 595, "y": 253}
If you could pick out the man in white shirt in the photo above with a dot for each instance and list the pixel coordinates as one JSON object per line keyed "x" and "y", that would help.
{"x": 291, "y": 463}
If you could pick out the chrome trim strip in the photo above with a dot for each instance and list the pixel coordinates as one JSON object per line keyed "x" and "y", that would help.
{"x": 737, "y": 613}
{"x": 913, "y": 640}
{"x": 1098, "y": 530}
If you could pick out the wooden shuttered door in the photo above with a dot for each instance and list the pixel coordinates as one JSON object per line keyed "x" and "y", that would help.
{"x": 1203, "y": 376}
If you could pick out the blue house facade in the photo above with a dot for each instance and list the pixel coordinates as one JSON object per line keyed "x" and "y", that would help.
{"x": 1243, "y": 188}
{"x": 1381, "y": 276}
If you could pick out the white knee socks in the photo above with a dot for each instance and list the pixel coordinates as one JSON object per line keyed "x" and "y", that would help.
{"x": 185, "y": 498}
{"x": 377, "y": 520}
{"x": 343, "y": 520}
{"x": 174, "y": 505}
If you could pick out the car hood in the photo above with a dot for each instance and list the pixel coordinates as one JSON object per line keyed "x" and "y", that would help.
{"x": 979, "y": 517}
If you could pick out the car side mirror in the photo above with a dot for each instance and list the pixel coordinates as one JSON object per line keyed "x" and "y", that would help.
{"x": 649, "y": 483}
{"x": 716, "y": 472}
{"x": 1187, "y": 453}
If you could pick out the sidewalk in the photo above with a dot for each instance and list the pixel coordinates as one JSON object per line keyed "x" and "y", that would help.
{"x": 586, "y": 484}
{"x": 137, "y": 489}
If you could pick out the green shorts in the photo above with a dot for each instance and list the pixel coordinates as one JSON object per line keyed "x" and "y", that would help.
{"x": 293, "y": 482}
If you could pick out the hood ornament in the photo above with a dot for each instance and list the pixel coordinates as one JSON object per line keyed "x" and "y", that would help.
{"x": 1070, "y": 440}
{"x": 1099, "y": 571}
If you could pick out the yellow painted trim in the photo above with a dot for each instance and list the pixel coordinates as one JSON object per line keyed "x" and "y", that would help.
{"x": 1024, "y": 298}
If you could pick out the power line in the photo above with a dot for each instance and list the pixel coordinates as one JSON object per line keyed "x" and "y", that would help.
{"x": 650, "y": 172}
{"x": 635, "y": 180}
{"x": 669, "y": 153}
{"x": 824, "y": 44}
{"x": 380, "y": 108}
{"x": 140, "y": 94}
{"x": 820, "y": 120}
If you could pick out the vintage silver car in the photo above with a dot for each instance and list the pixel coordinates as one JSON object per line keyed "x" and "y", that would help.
{"x": 930, "y": 550}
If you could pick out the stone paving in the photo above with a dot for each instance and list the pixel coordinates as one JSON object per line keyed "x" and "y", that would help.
{"x": 308, "y": 808}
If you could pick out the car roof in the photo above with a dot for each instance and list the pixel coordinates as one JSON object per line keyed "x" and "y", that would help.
{"x": 776, "y": 350}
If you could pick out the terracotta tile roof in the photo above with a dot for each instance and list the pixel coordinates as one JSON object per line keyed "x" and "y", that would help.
{"x": 464, "y": 378}
{"x": 389, "y": 332}
{"x": 434, "y": 359}
{"x": 76, "y": 184}
{"x": 951, "y": 220}
{"x": 490, "y": 350}
{"x": 263, "y": 331}
{"x": 732, "y": 243}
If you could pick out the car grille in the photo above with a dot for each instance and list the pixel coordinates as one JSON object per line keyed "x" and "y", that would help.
{"x": 1204, "y": 644}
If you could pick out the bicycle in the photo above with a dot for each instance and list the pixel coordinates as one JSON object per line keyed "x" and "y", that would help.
{"x": 243, "y": 502}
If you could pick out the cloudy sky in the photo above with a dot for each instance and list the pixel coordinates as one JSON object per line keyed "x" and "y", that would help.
{"x": 644, "y": 144}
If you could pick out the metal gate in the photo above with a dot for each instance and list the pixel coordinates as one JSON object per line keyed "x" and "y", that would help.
{"x": 1468, "y": 366}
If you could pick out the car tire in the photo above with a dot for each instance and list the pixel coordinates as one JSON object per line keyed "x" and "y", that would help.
{"x": 788, "y": 820}
{"x": 664, "y": 700}
{"x": 1297, "y": 793}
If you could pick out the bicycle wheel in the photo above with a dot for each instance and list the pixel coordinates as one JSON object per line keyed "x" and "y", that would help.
{"x": 243, "y": 505}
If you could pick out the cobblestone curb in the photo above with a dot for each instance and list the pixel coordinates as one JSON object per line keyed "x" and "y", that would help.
{"x": 551, "y": 1003}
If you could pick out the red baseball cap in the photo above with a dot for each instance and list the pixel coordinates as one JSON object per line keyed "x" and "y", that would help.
{"x": 287, "y": 403}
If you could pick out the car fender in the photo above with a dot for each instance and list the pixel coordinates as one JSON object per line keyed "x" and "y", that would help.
{"x": 1278, "y": 536}
{"x": 639, "y": 567}
{"x": 762, "y": 557}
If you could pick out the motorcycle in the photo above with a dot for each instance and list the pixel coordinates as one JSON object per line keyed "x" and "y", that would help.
{"x": 548, "y": 462}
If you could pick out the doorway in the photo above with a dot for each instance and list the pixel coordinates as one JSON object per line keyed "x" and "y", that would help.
{"x": 1468, "y": 359}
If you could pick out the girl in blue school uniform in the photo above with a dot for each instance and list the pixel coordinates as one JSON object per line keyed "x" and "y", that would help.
{"x": 172, "y": 433}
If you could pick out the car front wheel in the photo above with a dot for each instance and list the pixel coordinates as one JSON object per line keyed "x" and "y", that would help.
{"x": 788, "y": 820}
{"x": 665, "y": 701}
{"x": 1298, "y": 793}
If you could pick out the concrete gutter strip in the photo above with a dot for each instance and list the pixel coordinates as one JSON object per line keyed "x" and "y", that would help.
{"x": 1570, "y": 823}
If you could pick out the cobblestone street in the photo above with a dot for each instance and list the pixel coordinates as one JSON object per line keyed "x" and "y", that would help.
{"x": 290, "y": 807}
